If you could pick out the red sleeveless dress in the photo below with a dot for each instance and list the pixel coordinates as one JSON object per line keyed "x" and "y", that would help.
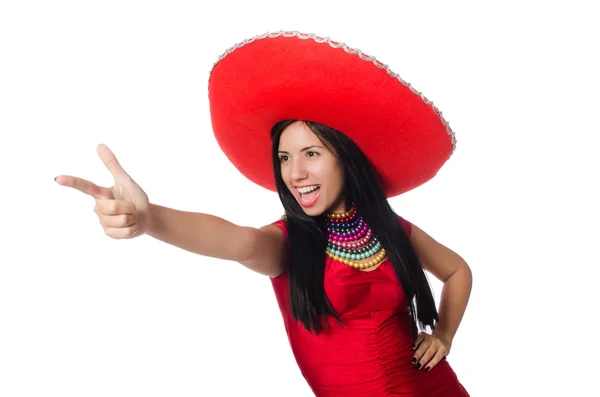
{"x": 370, "y": 355}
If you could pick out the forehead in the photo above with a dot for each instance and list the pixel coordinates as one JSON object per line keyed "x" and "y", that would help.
{"x": 297, "y": 136}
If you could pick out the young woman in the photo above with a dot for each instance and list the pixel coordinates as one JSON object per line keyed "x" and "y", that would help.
{"x": 347, "y": 271}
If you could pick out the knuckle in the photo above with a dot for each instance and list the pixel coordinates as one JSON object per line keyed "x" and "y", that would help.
{"x": 129, "y": 220}
{"x": 104, "y": 220}
{"x": 132, "y": 230}
{"x": 122, "y": 220}
{"x": 114, "y": 207}
{"x": 101, "y": 207}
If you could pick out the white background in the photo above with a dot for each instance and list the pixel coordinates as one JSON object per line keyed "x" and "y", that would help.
{"x": 82, "y": 314}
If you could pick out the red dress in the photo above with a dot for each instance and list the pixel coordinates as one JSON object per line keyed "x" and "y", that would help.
{"x": 370, "y": 355}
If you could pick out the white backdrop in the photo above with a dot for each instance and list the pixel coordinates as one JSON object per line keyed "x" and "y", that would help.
{"x": 82, "y": 314}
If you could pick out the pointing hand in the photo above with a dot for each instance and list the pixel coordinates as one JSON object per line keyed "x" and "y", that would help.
{"x": 123, "y": 209}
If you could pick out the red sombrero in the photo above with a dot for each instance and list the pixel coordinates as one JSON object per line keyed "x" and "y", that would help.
{"x": 292, "y": 75}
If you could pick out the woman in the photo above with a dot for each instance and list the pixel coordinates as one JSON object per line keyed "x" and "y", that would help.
{"x": 348, "y": 273}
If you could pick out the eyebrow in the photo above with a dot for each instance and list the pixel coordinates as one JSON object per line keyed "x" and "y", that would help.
{"x": 303, "y": 149}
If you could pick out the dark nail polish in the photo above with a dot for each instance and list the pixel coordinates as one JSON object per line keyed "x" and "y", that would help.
{"x": 414, "y": 360}
{"x": 413, "y": 346}
{"x": 427, "y": 369}
{"x": 418, "y": 366}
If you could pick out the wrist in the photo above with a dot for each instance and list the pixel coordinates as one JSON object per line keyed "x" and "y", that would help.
{"x": 151, "y": 219}
{"x": 444, "y": 336}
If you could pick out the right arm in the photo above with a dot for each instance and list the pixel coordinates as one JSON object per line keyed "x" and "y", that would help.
{"x": 261, "y": 250}
{"x": 124, "y": 211}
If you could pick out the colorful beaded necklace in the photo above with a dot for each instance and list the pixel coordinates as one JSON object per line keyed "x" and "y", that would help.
{"x": 350, "y": 239}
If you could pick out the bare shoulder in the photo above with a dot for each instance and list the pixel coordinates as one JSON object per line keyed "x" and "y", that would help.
{"x": 435, "y": 257}
{"x": 274, "y": 230}
{"x": 269, "y": 251}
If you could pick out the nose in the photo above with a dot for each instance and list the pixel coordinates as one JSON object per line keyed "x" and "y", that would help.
{"x": 299, "y": 171}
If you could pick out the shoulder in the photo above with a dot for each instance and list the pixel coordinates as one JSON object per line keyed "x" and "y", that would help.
{"x": 279, "y": 227}
{"x": 406, "y": 226}
{"x": 278, "y": 231}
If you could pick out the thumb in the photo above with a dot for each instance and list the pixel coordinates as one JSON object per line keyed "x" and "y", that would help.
{"x": 111, "y": 162}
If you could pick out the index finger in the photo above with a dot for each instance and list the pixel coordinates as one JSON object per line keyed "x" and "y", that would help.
{"x": 439, "y": 356}
{"x": 84, "y": 186}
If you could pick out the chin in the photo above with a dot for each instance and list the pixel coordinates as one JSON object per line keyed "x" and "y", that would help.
{"x": 315, "y": 210}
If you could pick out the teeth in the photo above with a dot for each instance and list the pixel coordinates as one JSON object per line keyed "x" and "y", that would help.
{"x": 305, "y": 190}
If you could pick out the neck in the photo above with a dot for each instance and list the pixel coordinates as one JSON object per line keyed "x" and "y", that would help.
{"x": 348, "y": 207}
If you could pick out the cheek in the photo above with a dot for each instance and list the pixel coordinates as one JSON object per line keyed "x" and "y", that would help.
{"x": 285, "y": 177}
{"x": 335, "y": 180}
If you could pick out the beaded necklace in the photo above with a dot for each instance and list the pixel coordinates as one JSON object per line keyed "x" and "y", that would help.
{"x": 351, "y": 239}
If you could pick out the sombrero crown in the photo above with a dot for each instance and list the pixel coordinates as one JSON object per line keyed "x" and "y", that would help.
{"x": 292, "y": 75}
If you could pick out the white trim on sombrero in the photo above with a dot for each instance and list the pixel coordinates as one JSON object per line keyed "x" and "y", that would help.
{"x": 349, "y": 50}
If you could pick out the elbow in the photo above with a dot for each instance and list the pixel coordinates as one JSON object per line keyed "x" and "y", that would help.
{"x": 465, "y": 273}
{"x": 462, "y": 271}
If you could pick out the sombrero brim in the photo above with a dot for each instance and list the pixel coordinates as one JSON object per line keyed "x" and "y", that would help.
{"x": 292, "y": 75}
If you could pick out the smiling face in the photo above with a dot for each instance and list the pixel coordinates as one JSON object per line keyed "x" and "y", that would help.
{"x": 311, "y": 171}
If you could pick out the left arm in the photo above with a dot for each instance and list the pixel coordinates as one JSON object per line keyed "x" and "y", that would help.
{"x": 448, "y": 267}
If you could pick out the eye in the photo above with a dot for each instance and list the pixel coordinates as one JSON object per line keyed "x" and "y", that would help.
{"x": 282, "y": 158}
{"x": 312, "y": 153}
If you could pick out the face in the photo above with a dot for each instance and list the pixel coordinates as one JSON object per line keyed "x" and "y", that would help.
{"x": 310, "y": 171}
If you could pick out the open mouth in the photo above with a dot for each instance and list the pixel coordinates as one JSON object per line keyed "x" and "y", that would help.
{"x": 309, "y": 195}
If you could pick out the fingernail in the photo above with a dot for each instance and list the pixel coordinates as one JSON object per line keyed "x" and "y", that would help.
{"x": 55, "y": 178}
{"x": 427, "y": 369}
{"x": 414, "y": 360}
{"x": 418, "y": 366}
{"x": 413, "y": 346}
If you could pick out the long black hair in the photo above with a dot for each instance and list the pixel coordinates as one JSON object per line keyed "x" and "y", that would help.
{"x": 307, "y": 235}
